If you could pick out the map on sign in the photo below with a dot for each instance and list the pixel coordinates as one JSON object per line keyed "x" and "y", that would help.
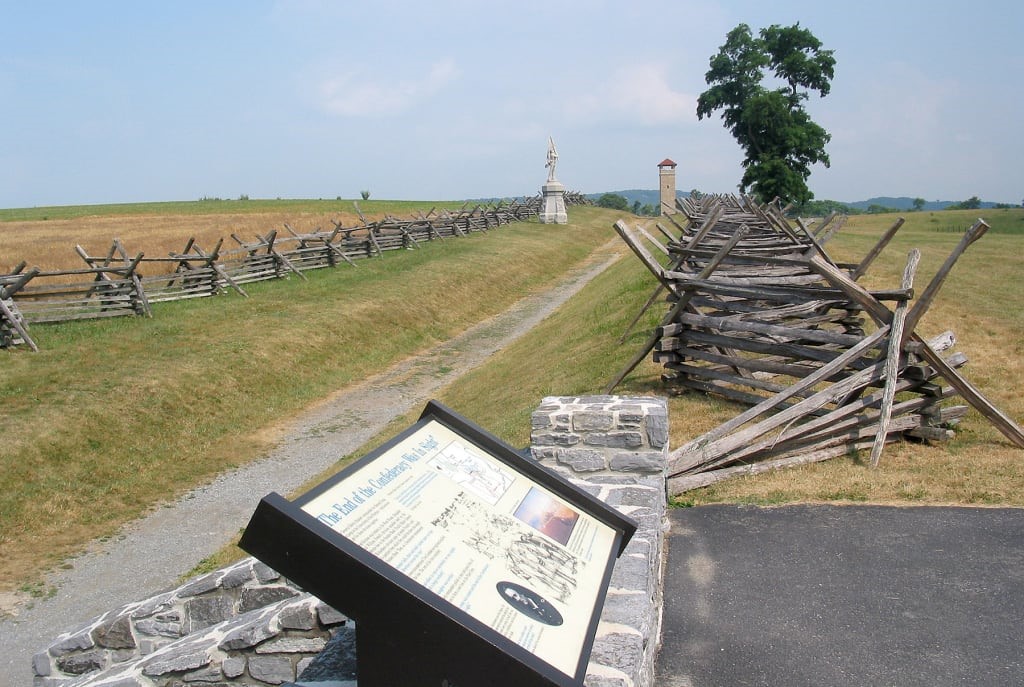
{"x": 491, "y": 541}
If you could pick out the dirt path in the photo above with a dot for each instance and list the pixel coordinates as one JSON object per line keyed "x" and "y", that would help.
{"x": 151, "y": 554}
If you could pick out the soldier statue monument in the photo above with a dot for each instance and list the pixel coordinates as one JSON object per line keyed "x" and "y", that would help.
{"x": 552, "y": 209}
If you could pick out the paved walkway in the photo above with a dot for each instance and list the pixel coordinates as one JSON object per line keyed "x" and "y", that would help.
{"x": 841, "y": 595}
{"x": 151, "y": 554}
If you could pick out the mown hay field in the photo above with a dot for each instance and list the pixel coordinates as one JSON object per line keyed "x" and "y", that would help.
{"x": 46, "y": 237}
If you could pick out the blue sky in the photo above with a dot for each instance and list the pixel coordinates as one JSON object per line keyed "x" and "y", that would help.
{"x": 107, "y": 101}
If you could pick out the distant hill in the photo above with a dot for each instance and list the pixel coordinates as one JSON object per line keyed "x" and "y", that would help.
{"x": 905, "y": 203}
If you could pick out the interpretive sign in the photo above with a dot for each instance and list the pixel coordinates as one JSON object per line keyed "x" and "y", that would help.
{"x": 461, "y": 561}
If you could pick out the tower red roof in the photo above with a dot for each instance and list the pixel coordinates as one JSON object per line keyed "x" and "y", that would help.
{"x": 666, "y": 163}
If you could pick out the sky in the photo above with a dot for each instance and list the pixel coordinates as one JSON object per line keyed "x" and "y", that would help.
{"x": 111, "y": 102}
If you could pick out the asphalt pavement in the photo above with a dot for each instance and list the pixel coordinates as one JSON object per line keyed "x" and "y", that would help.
{"x": 843, "y": 595}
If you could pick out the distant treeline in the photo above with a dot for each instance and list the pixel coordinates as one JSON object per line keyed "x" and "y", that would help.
{"x": 647, "y": 202}
{"x": 883, "y": 205}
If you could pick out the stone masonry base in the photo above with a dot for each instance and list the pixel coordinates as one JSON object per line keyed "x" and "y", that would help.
{"x": 246, "y": 625}
{"x": 616, "y": 448}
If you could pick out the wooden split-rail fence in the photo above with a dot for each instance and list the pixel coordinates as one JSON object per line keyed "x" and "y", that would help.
{"x": 760, "y": 314}
{"x": 120, "y": 283}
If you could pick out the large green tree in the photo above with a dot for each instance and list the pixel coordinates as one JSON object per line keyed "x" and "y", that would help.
{"x": 760, "y": 83}
{"x": 613, "y": 201}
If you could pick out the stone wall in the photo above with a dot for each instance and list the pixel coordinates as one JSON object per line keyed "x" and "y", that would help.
{"x": 610, "y": 435}
{"x": 243, "y": 624}
{"x": 247, "y": 625}
{"x": 616, "y": 448}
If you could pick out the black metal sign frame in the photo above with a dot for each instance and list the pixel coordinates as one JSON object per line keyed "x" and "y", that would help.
{"x": 407, "y": 634}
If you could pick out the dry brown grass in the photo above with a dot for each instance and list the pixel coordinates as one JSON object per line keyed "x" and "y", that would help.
{"x": 51, "y": 244}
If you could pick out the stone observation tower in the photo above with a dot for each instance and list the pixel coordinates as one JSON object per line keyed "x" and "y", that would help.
{"x": 667, "y": 185}
{"x": 552, "y": 210}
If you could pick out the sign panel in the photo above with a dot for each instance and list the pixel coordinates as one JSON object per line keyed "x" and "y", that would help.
{"x": 507, "y": 551}
{"x": 510, "y": 551}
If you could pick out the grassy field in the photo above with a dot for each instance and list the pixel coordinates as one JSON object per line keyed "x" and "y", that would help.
{"x": 398, "y": 208}
{"x": 47, "y": 236}
{"x": 111, "y": 418}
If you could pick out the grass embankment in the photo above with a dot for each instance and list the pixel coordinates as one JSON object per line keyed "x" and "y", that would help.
{"x": 228, "y": 368}
{"x": 576, "y": 351}
{"x": 112, "y": 417}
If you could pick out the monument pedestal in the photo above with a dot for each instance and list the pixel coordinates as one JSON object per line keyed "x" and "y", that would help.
{"x": 552, "y": 210}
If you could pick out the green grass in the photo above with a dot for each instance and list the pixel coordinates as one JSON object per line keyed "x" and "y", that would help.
{"x": 573, "y": 352}
{"x": 1000, "y": 221}
{"x": 112, "y": 417}
{"x": 576, "y": 351}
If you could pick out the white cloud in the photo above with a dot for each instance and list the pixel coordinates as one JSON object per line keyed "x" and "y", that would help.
{"x": 906, "y": 109}
{"x": 636, "y": 94}
{"x": 896, "y": 131}
{"x": 359, "y": 94}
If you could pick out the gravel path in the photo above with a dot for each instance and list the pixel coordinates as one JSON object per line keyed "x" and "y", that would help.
{"x": 151, "y": 554}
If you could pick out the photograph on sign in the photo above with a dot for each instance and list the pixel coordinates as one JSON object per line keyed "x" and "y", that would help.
{"x": 489, "y": 540}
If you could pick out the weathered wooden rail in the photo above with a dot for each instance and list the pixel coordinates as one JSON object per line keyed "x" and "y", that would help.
{"x": 122, "y": 284}
{"x": 13, "y": 329}
{"x": 88, "y": 293}
{"x": 179, "y": 276}
{"x": 761, "y": 314}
